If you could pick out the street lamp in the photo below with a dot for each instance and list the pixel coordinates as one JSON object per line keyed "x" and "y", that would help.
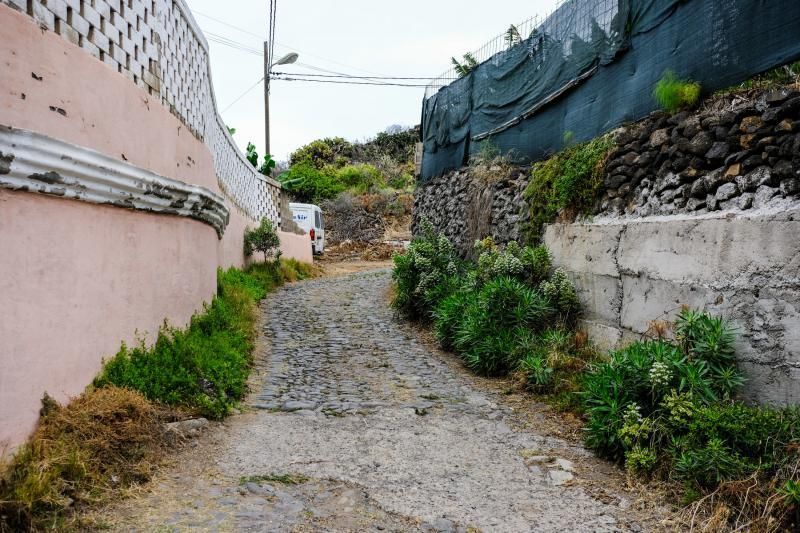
{"x": 285, "y": 60}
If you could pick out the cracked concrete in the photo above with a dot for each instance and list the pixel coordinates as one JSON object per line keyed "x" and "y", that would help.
{"x": 383, "y": 432}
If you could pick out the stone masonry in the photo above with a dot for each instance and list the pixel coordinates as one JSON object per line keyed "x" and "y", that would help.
{"x": 736, "y": 155}
{"x": 698, "y": 209}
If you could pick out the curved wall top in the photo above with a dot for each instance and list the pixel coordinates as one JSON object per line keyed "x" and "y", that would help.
{"x": 159, "y": 47}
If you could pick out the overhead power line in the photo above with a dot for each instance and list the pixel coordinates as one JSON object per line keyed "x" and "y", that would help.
{"x": 262, "y": 38}
{"x": 256, "y": 84}
{"x": 344, "y": 82}
{"x": 220, "y": 39}
{"x": 426, "y": 78}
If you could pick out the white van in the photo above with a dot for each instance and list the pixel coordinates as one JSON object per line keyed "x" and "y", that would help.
{"x": 309, "y": 217}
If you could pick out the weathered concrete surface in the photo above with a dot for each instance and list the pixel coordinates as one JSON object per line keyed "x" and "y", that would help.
{"x": 745, "y": 266}
{"x": 352, "y": 399}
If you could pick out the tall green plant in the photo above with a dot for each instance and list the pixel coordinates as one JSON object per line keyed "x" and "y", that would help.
{"x": 266, "y": 166}
{"x": 469, "y": 64}
{"x": 672, "y": 93}
{"x": 262, "y": 239}
{"x": 424, "y": 274}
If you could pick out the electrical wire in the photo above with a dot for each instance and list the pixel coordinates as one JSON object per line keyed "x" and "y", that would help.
{"x": 343, "y": 82}
{"x": 261, "y": 38}
{"x": 220, "y": 39}
{"x": 426, "y": 78}
{"x": 243, "y": 94}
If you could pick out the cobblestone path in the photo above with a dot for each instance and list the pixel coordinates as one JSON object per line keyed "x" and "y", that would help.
{"x": 358, "y": 425}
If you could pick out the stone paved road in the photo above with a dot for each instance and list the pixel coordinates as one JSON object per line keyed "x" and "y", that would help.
{"x": 381, "y": 432}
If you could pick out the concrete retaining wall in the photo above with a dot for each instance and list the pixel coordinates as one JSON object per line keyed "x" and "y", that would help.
{"x": 742, "y": 266}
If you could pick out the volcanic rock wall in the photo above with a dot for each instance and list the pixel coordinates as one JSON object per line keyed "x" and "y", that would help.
{"x": 697, "y": 209}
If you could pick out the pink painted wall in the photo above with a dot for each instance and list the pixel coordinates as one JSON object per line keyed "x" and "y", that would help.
{"x": 104, "y": 110}
{"x": 76, "y": 279}
{"x": 296, "y": 246}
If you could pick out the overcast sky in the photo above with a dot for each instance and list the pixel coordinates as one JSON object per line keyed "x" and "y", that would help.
{"x": 412, "y": 38}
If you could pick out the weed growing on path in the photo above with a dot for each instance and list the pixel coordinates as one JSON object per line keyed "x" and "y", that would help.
{"x": 283, "y": 479}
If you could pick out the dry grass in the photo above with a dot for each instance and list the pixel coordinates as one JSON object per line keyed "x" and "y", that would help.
{"x": 754, "y": 504}
{"x": 82, "y": 454}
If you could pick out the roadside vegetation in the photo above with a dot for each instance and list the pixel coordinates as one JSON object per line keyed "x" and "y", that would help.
{"x": 673, "y": 94}
{"x": 325, "y": 168}
{"x": 113, "y": 435}
{"x": 665, "y": 406}
{"x": 364, "y": 188}
{"x": 570, "y": 180}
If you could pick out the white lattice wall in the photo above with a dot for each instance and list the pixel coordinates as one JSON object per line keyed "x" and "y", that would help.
{"x": 158, "y": 46}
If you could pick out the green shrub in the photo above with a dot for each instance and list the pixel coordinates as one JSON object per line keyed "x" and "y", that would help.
{"x": 530, "y": 265}
{"x": 571, "y": 179}
{"x": 560, "y": 291}
{"x": 306, "y": 183}
{"x": 672, "y": 401}
{"x": 449, "y": 313}
{"x": 673, "y": 94}
{"x": 360, "y": 178}
{"x": 425, "y": 274}
{"x": 262, "y": 239}
{"x": 320, "y": 153}
{"x": 489, "y": 313}
{"x": 495, "y": 324}
{"x": 204, "y": 366}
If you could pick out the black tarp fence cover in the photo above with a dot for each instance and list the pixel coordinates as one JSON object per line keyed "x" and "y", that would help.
{"x": 592, "y": 66}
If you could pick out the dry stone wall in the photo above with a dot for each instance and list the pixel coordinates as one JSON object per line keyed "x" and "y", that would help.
{"x": 739, "y": 154}
{"x": 466, "y": 206}
{"x": 698, "y": 209}
{"x": 159, "y": 47}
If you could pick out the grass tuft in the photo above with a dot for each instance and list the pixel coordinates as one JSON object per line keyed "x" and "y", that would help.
{"x": 283, "y": 479}
{"x": 673, "y": 94}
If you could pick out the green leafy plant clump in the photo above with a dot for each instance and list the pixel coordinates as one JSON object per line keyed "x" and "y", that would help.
{"x": 203, "y": 367}
{"x": 569, "y": 181}
{"x": 266, "y": 167}
{"x": 673, "y": 94}
{"x": 667, "y": 408}
{"x": 263, "y": 239}
{"x": 492, "y": 312}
